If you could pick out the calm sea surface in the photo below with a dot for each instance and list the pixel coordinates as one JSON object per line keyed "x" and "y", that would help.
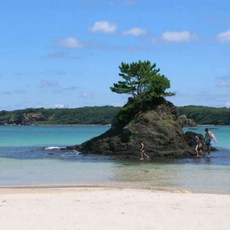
{"x": 31, "y": 156}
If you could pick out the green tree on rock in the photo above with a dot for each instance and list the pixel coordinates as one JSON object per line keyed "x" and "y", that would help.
{"x": 146, "y": 87}
{"x": 141, "y": 78}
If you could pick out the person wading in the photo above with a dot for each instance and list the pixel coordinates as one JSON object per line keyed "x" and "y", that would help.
{"x": 142, "y": 151}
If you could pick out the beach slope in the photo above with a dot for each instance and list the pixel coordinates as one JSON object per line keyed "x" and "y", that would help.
{"x": 111, "y": 208}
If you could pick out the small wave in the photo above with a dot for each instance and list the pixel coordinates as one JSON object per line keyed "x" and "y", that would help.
{"x": 54, "y": 148}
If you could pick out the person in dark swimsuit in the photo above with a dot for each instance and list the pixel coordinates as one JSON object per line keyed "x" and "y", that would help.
{"x": 207, "y": 140}
{"x": 195, "y": 142}
{"x": 199, "y": 148}
{"x": 142, "y": 151}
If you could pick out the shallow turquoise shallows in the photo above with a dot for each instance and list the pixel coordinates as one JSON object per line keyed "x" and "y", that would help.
{"x": 31, "y": 156}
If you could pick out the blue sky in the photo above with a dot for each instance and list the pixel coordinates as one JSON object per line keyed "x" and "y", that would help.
{"x": 66, "y": 53}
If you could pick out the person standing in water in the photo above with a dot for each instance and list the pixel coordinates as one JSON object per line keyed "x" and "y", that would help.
{"x": 199, "y": 148}
{"x": 142, "y": 151}
{"x": 207, "y": 141}
{"x": 195, "y": 142}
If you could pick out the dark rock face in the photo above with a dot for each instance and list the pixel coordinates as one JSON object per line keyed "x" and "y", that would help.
{"x": 186, "y": 122}
{"x": 158, "y": 128}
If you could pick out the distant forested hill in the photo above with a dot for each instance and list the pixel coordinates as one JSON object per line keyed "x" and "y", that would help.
{"x": 85, "y": 115}
{"x": 103, "y": 115}
{"x": 206, "y": 115}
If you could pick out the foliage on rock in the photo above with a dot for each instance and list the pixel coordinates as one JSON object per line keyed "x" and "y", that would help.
{"x": 141, "y": 78}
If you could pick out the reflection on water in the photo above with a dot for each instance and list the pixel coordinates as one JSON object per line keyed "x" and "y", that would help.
{"x": 175, "y": 176}
{"x": 192, "y": 174}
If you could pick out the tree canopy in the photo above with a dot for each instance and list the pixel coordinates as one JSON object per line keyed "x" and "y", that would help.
{"x": 141, "y": 78}
{"x": 72, "y": 116}
{"x": 204, "y": 115}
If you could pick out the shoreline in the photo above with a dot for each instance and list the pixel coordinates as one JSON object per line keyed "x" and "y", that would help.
{"x": 103, "y": 208}
{"x": 43, "y": 187}
{"x": 68, "y": 125}
{"x": 70, "y": 188}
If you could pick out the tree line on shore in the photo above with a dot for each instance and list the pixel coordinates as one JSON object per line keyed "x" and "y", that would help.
{"x": 96, "y": 115}
{"x": 101, "y": 115}
{"x": 204, "y": 115}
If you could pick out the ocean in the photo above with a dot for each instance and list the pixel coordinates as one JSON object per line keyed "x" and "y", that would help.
{"x": 32, "y": 156}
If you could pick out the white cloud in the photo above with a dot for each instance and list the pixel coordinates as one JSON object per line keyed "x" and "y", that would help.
{"x": 136, "y": 49}
{"x": 5, "y": 93}
{"x": 60, "y": 55}
{"x": 122, "y": 2}
{"x": 135, "y": 32}
{"x": 49, "y": 84}
{"x": 70, "y": 42}
{"x": 224, "y": 83}
{"x": 130, "y": 2}
{"x": 60, "y": 106}
{"x": 224, "y": 37}
{"x": 86, "y": 95}
{"x": 55, "y": 55}
{"x": 19, "y": 91}
{"x": 103, "y": 26}
{"x": 183, "y": 36}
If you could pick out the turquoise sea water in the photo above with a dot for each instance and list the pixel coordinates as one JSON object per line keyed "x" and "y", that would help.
{"x": 31, "y": 156}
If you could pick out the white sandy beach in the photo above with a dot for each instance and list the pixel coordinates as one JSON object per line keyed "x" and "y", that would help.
{"x": 111, "y": 208}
